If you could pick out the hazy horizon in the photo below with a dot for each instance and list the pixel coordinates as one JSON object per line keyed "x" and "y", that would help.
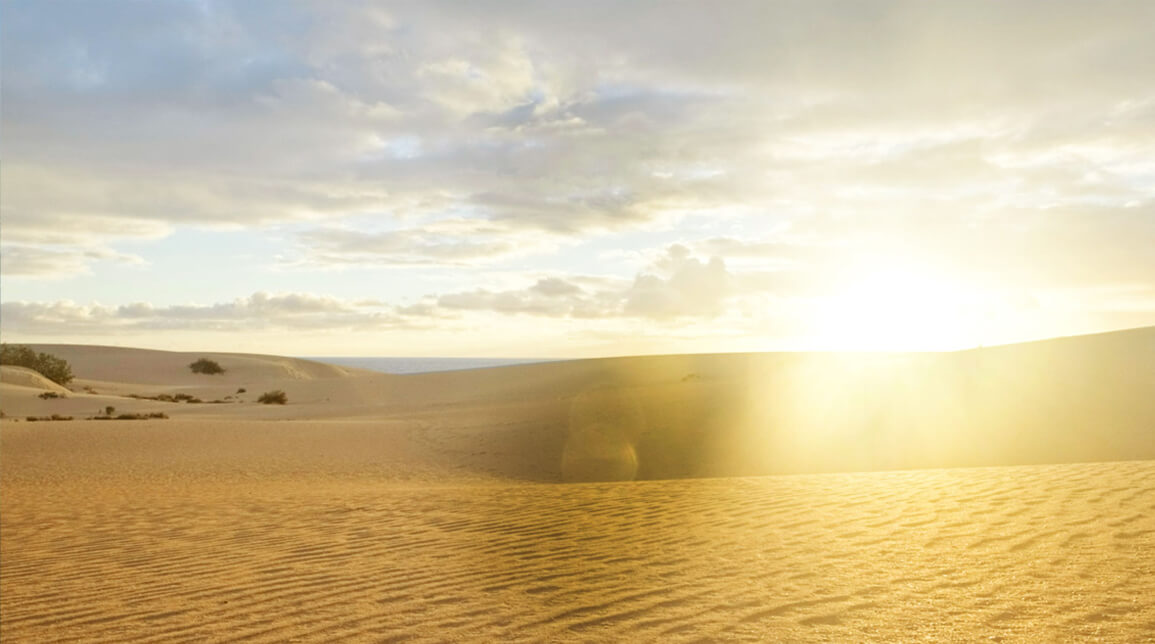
{"x": 350, "y": 358}
{"x": 574, "y": 180}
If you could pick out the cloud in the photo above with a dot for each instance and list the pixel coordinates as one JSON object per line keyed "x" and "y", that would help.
{"x": 573, "y": 297}
{"x": 259, "y": 311}
{"x": 778, "y": 142}
{"x": 445, "y": 243}
{"x": 677, "y": 285}
{"x": 692, "y": 287}
{"x": 33, "y": 261}
{"x": 556, "y": 287}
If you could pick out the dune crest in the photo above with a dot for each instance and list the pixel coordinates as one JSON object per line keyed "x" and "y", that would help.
{"x": 151, "y": 366}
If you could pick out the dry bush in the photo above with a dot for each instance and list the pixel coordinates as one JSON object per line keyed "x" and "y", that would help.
{"x": 275, "y": 397}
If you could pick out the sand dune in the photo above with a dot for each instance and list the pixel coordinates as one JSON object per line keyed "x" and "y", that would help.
{"x": 121, "y": 364}
{"x": 111, "y": 375}
{"x": 1087, "y": 398}
{"x": 432, "y": 507}
{"x": 28, "y": 379}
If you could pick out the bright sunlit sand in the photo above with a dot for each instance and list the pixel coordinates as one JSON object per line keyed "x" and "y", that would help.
{"x": 797, "y": 497}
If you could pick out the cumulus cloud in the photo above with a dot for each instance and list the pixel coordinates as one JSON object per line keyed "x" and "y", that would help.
{"x": 691, "y": 287}
{"x": 677, "y": 285}
{"x": 575, "y": 297}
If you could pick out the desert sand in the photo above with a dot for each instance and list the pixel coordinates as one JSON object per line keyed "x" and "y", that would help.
{"x": 1005, "y": 493}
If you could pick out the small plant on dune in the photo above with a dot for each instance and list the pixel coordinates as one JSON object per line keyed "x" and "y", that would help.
{"x": 276, "y": 397}
{"x": 241, "y": 390}
{"x": 48, "y": 395}
{"x": 49, "y": 366}
{"x": 206, "y": 366}
{"x": 109, "y": 410}
{"x": 172, "y": 398}
{"x": 141, "y": 416}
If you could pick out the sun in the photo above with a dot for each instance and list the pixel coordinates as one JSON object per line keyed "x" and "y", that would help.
{"x": 897, "y": 308}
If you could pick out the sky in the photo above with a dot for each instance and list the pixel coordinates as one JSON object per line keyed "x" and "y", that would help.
{"x": 564, "y": 179}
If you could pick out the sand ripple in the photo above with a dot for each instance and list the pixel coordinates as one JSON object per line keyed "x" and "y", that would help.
{"x": 1027, "y": 553}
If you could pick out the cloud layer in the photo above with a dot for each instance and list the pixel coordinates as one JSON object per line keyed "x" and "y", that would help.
{"x": 780, "y": 144}
{"x": 677, "y": 286}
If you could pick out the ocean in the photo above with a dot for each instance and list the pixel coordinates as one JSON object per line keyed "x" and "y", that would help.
{"x": 423, "y": 365}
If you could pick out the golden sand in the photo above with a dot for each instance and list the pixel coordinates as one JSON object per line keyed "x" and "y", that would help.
{"x": 433, "y": 507}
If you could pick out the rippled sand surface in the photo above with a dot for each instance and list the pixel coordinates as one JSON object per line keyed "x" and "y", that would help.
{"x": 321, "y": 548}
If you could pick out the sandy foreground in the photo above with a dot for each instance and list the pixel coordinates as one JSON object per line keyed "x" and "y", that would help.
{"x": 1007, "y": 494}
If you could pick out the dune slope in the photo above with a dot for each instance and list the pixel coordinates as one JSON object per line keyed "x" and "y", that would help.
{"x": 1089, "y": 398}
{"x": 14, "y": 376}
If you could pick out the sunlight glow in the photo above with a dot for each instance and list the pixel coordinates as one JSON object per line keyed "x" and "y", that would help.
{"x": 898, "y": 309}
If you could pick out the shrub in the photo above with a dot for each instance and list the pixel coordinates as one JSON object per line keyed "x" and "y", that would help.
{"x": 49, "y": 366}
{"x": 276, "y": 397}
{"x": 141, "y": 416}
{"x": 49, "y": 394}
{"x": 172, "y": 398}
{"x": 241, "y": 390}
{"x": 109, "y": 410}
{"x": 155, "y": 414}
{"x": 206, "y": 366}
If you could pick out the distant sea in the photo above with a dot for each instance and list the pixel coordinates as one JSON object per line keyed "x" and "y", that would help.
{"x": 424, "y": 365}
